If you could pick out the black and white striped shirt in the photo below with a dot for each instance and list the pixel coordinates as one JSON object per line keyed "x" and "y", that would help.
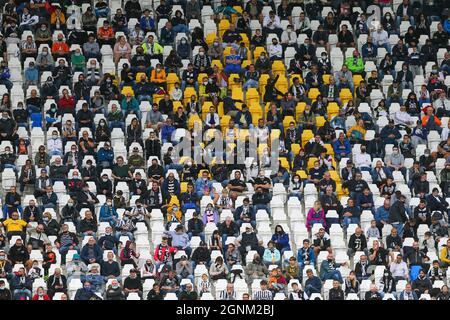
{"x": 225, "y": 295}
{"x": 263, "y": 295}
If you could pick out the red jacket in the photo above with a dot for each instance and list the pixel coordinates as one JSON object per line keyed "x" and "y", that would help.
{"x": 66, "y": 103}
{"x": 162, "y": 253}
{"x": 36, "y": 297}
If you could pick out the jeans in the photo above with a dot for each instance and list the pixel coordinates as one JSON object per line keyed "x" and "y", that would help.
{"x": 19, "y": 292}
{"x": 251, "y": 84}
{"x": 184, "y": 85}
{"x": 261, "y": 206}
{"x": 201, "y": 235}
{"x": 124, "y": 233}
{"x": 334, "y": 275}
{"x": 180, "y": 28}
{"x": 348, "y": 220}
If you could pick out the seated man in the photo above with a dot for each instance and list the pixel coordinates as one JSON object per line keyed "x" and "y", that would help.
{"x": 233, "y": 63}
{"x": 329, "y": 269}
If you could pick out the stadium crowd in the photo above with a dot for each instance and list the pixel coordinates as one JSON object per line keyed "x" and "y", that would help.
{"x": 97, "y": 203}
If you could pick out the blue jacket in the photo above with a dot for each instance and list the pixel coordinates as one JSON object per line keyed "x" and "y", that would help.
{"x": 96, "y": 281}
{"x": 166, "y": 132}
{"x": 365, "y": 52}
{"x": 5, "y": 74}
{"x": 312, "y": 256}
{"x": 447, "y": 25}
{"x": 105, "y": 155}
{"x": 337, "y": 147}
{"x": 98, "y": 252}
{"x": 381, "y": 214}
{"x": 362, "y": 199}
{"x": 248, "y": 118}
{"x": 282, "y": 240}
{"x": 314, "y": 282}
{"x": 106, "y": 213}
{"x": 147, "y": 23}
{"x": 402, "y": 295}
{"x": 374, "y": 174}
{"x": 386, "y": 131}
{"x": 31, "y": 74}
{"x": 200, "y": 184}
{"x": 15, "y": 283}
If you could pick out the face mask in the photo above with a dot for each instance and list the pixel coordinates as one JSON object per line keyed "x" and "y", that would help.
{"x": 216, "y": 44}
{"x": 296, "y": 180}
{"x": 70, "y": 204}
{"x": 109, "y": 203}
{"x": 2, "y": 258}
{"x": 55, "y": 136}
{"x": 115, "y": 287}
{"x": 87, "y": 288}
{"x": 175, "y": 209}
{"x": 105, "y": 179}
{"x": 108, "y": 80}
{"x": 139, "y": 205}
{"x": 275, "y": 43}
{"x": 201, "y": 53}
{"x": 183, "y": 41}
{"x": 45, "y": 219}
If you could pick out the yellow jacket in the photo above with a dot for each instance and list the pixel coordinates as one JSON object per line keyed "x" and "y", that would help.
{"x": 444, "y": 254}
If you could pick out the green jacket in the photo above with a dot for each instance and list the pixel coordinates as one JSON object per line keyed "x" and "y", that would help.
{"x": 78, "y": 61}
{"x": 157, "y": 48}
{"x": 355, "y": 67}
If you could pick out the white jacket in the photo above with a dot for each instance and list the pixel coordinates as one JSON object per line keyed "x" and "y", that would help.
{"x": 54, "y": 144}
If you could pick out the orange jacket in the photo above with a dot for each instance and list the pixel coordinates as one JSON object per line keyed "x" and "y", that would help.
{"x": 158, "y": 77}
{"x": 60, "y": 46}
{"x": 102, "y": 33}
{"x": 436, "y": 120}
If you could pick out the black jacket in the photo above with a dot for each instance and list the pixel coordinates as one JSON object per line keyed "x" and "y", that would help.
{"x": 397, "y": 212}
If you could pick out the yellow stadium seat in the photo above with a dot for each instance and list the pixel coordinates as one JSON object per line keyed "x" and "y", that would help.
{"x": 217, "y": 63}
{"x": 286, "y": 121}
{"x": 171, "y": 79}
{"x": 293, "y": 76}
{"x": 282, "y": 84}
{"x": 313, "y": 93}
{"x": 357, "y": 78}
{"x": 345, "y": 95}
{"x": 302, "y": 174}
{"x": 261, "y": 148}
{"x": 232, "y": 84}
{"x": 205, "y": 109}
{"x": 220, "y": 111}
{"x": 224, "y": 25}
{"x": 311, "y": 161}
{"x": 262, "y": 84}
{"x": 139, "y": 75}
{"x": 329, "y": 148}
{"x": 176, "y": 105}
{"x": 226, "y": 51}
{"x": 237, "y": 94}
{"x": 256, "y": 111}
{"x": 257, "y": 52}
{"x": 295, "y": 148}
{"x": 334, "y": 175}
{"x": 326, "y": 78}
{"x": 183, "y": 187}
{"x": 243, "y": 134}
{"x": 200, "y": 173}
{"x": 251, "y": 96}
{"x": 306, "y": 136}
{"x": 299, "y": 108}
{"x": 194, "y": 120}
{"x": 320, "y": 121}
{"x": 284, "y": 163}
{"x": 245, "y": 39}
{"x": 127, "y": 89}
{"x": 278, "y": 67}
{"x": 157, "y": 97}
{"x": 332, "y": 110}
{"x": 200, "y": 77}
{"x": 246, "y": 63}
{"x": 224, "y": 121}
{"x": 188, "y": 92}
{"x": 275, "y": 134}
{"x": 210, "y": 37}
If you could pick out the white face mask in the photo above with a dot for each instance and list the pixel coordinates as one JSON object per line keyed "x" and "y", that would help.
{"x": 201, "y": 53}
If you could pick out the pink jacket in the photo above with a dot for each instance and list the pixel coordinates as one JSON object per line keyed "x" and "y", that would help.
{"x": 315, "y": 217}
